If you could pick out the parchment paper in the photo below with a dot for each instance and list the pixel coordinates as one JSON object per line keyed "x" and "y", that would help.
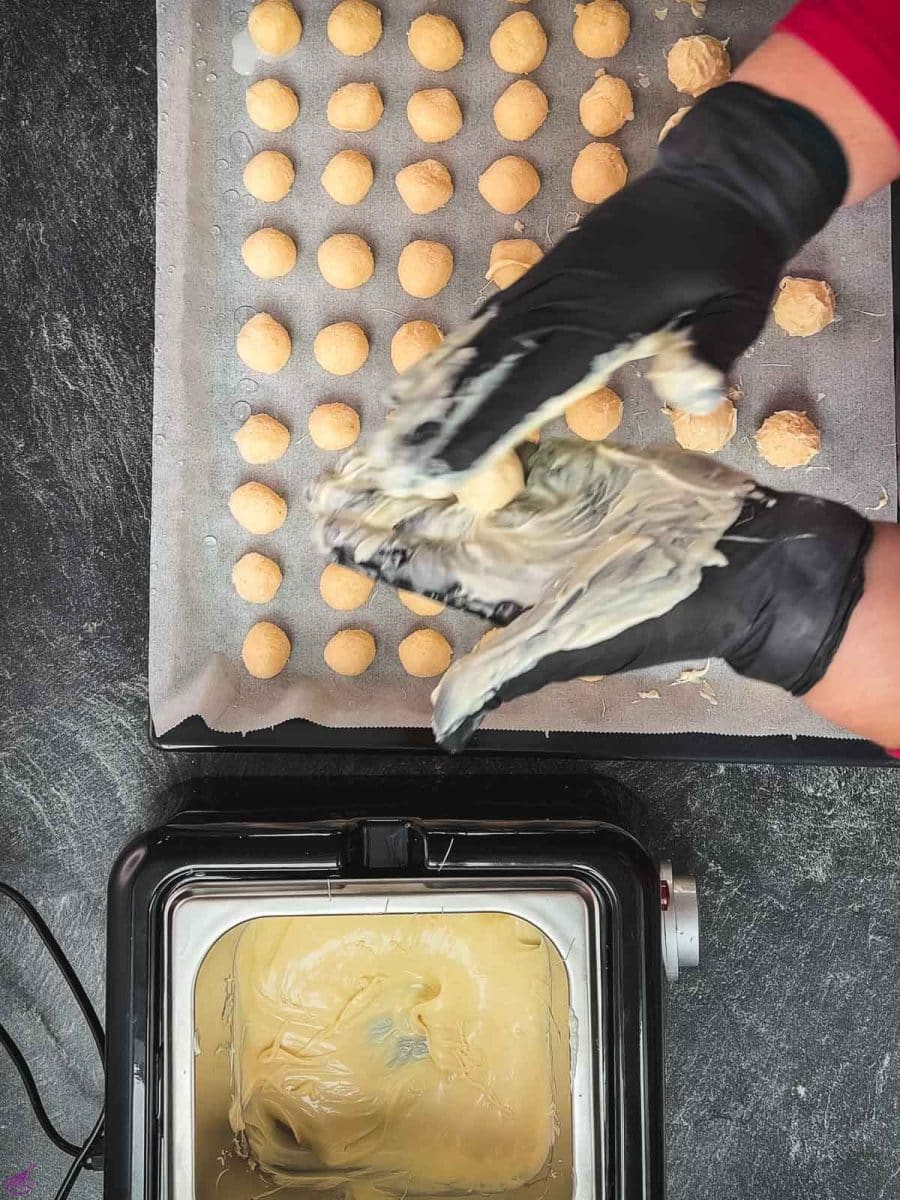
{"x": 843, "y": 377}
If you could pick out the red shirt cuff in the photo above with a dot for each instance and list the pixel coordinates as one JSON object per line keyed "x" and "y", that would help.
{"x": 862, "y": 41}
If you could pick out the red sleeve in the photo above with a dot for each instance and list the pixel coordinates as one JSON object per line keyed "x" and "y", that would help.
{"x": 861, "y": 39}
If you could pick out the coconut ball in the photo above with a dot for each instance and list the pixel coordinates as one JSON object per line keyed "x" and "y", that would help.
{"x": 510, "y": 259}
{"x": 412, "y": 342}
{"x": 344, "y": 589}
{"x": 274, "y": 27}
{"x": 266, "y": 650}
{"x": 262, "y": 439}
{"x": 263, "y": 344}
{"x": 350, "y": 652}
{"x": 424, "y": 268}
{"x": 354, "y": 27}
{"x": 271, "y": 105}
{"x": 355, "y": 108}
{"x": 434, "y": 115}
{"x": 257, "y": 508}
{"x": 676, "y": 118}
{"x": 595, "y": 416}
{"x": 493, "y": 487}
{"x": 422, "y": 606}
{"x": 256, "y": 578}
{"x": 425, "y": 653}
{"x": 601, "y": 28}
{"x": 345, "y": 261}
{"x": 269, "y": 253}
{"x": 509, "y": 184}
{"x": 788, "y": 439}
{"x": 707, "y": 432}
{"x": 341, "y": 348}
{"x": 333, "y": 426}
{"x": 519, "y": 43}
{"x": 698, "y": 63}
{"x": 435, "y": 42}
{"x": 269, "y": 176}
{"x": 606, "y": 106}
{"x": 599, "y": 172}
{"x": 348, "y": 177}
{"x": 520, "y": 111}
{"x": 803, "y": 306}
{"x": 424, "y": 186}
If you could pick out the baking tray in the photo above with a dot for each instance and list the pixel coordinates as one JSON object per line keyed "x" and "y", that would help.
{"x": 195, "y": 735}
{"x": 301, "y": 735}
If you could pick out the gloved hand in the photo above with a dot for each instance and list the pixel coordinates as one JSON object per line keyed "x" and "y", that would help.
{"x": 610, "y": 560}
{"x": 681, "y": 265}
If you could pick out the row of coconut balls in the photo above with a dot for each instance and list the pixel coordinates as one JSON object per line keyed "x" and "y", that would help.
{"x": 518, "y": 45}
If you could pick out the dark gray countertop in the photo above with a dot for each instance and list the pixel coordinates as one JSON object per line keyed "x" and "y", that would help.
{"x": 783, "y": 1050}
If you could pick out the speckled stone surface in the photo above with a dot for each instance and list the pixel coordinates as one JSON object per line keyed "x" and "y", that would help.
{"x": 783, "y": 1050}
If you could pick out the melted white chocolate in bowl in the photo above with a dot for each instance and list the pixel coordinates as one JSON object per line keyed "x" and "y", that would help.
{"x": 422, "y": 1054}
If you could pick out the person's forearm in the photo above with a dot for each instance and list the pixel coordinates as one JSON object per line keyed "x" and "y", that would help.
{"x": 787, "y": 66}
{"x": 861, "y": 688}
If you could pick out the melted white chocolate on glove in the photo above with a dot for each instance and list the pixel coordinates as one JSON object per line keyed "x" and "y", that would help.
{"x": 601, "y": 539}
{"x": 396, "y": 1055}
{"x": 429, "y": 395}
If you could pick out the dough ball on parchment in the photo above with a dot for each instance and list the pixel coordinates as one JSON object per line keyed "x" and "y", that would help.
{"x": 599, "y": 172}
{"x": 344, "y": 589}
{"x": 803, "y": 306}
{"x": 355, "y": 108}
{"x": 412, "y": 342}
{"x": 348, "y": 177}
{"x": 519, "y": 43}
{"x": 422, "y": 606}
{"x": 435, "y": 42}
{"x": 676, "y": 118}
{"x": 788, "y": 439}
{"x": 274, "y": 27}
{"x": 271, "y": 105}
{"x": 520, "y": 111}
{"x": 424, "y": 186}
{"x": 509, "y": 184}
{"x": 269, "y": 176}
{"x": 424, "y": 268}
{"x": 345, "y": 261}
{"x": 263, "y": 344}
{"x": 341, "y": 348}
{"x": 495, "y": 486}
{"x": 510, "y": 259}
{"x": 354, "y": 27}
{"x": 606, "y": 105}
{"x": 706, "y": 432}
{"x": 333, "y": 426}
{"x": 595, "y": 416}
{"x": 434, "y": 115}
{"x": 262, "y": 439}
{"x": 350, "y": 652}
{"x": 269, "y": 253}
{"x": 266, "y": 650}
{"x": 425, "y": 653}
{"x": 256, "y": 578}
{"x": 601, "y": 28}
{"x": 698, "y": 63}
{"x": 487, "y": 636}
{"x": 257, "y": 508}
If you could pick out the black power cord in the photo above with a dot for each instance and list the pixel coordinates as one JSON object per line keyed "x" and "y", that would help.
{"x": 86, "y": 1155}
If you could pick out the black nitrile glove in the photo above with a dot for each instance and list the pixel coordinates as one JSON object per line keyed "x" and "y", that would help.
{"x": 611, "y": 560}
{"x": 692, "y": 250}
